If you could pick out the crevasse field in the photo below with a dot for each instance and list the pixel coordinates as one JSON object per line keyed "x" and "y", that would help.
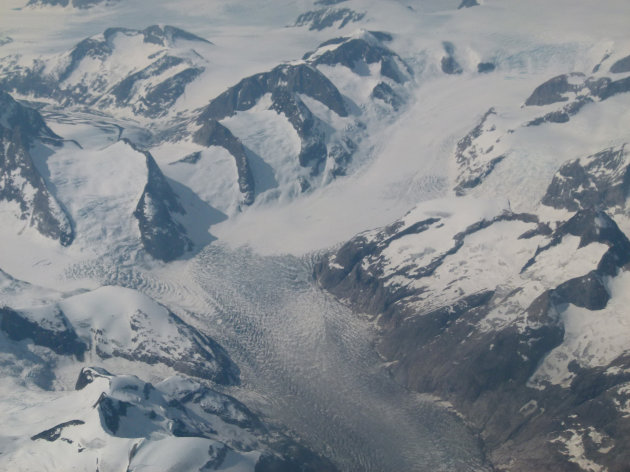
{"x": 354, "y": 235}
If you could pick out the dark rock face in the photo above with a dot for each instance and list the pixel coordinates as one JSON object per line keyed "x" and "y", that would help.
{"x": 20, "y": 181}
{"x": 191, "y": 158}
{"x": 139, "y": 330}
{"x": 300, "y": 78}
{"x": 584, "y": 89}
{"x": 322, "y": 147}
{"x": 162, "y": 236}
{"x": 150, "y": 91}
{"x": 54, "y": 433}
{"x": 31, "y": 124}
{"x": 553, "y": 90}
{"x": 313, "y": 150}
{"x": 382, "y": 36}
{"x": 357, "y": 275}
{"x": 160, "y": 98}
{"x": 131, "y": 408}
{"x": 218, "y": 455}
{"x": 385, "y": 93}
{"x": 450, "y": 66}
{"x": 329, "y": 2}
{"x": 449, "y": 63}
{"x": 467, "y": 141}
{"x": 444, "y": 349}
{"x": 123, "y": 91}
{"x": 89, "y": 3}
{"x": 475, "y": 163}
{"x": 87, "y": 376}
{"x": 563, "y": 115}
{"x": 185, "y": 349}
{"x": 213, "y": 133}
{"x": 111, "y": 411}
{"x": 598, "y": 181}
{"x": 354, "y": 52}
{"x": 61, "y": 338}
{"x": 598, "y": 66}
{"x": 348, "y": 273}
{"x": 621, "y": 66}
{"x": 229, "y": 409}
{"x": 468, "y": 4}
{"x": 484, "y": 172}
{"x": 607, "y": 88}
{"x": 485, "y": 67}
{"x": 441, "y": 351}
{"x": 611, "y": 88}
{"x": 587, "y": 292}
{"x": 284, "y": 83}
{"x": 592, "y": 225}
{"x": 561, "y": 415}
{"x": 166, "y": 35}
{"x": 206, "y": 358}
{"x": 63, "y": 3}
{"x": 327, "y": 17}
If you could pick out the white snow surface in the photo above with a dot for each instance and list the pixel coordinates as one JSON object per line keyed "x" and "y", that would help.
{"x": 592, "y": 338}
{"x": 100, "y": 189}
{"x": 406, "y": 161}
{"x": 403, "y": 162}
{"x": 90, "y": 444}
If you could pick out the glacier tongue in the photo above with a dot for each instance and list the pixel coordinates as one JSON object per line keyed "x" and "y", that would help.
{"x": 313, "y": 362}
{"x": 216, "y": 237}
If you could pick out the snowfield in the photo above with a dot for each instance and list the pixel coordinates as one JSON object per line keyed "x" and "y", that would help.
{"x": 355, "y": 235}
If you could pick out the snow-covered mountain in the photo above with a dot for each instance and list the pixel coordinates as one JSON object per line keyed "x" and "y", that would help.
{"x": 143, "y": 71}
{"x": 314, "y": 235}
{"x": 328, "y": 116}
{"x": 24, "y": 193}
{"x": 484, "y": 307}
{"x": 121, "y": 421}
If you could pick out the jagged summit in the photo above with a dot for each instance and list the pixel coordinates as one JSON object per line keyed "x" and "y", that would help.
{"x": 162, "y": 236}
{"x": 23, "y": 190}
{"x": 328, "y": 17}
{"x": 190, "y": 424}
{"x": 32, "y": 126}
{"x": 361, "y": 49}
{"x": 144, "y": 71}
{"x": 313, "y": 105}
{"x": 341, "y": 235}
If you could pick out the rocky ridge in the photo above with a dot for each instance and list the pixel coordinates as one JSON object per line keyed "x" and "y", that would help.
{"x": 98, "y": 73}
{"x": 502, "y": 301}
{"x": 21, "y": 182}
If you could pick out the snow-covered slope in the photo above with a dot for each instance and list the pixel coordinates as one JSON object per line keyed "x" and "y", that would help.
{"x": 298, "y": 126}
{"x": 119, "y": 421}
{"x": 105, "y": 420}
{"x": 143, "y": 72}
{"x": 485, "y": 140}
{"x": 552, "y": 104}
{"x": 114, "y": 323}
{"x": 483, "y": 306}
{"x": 24, "y": 194}
{"x": 117, "y": 197}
